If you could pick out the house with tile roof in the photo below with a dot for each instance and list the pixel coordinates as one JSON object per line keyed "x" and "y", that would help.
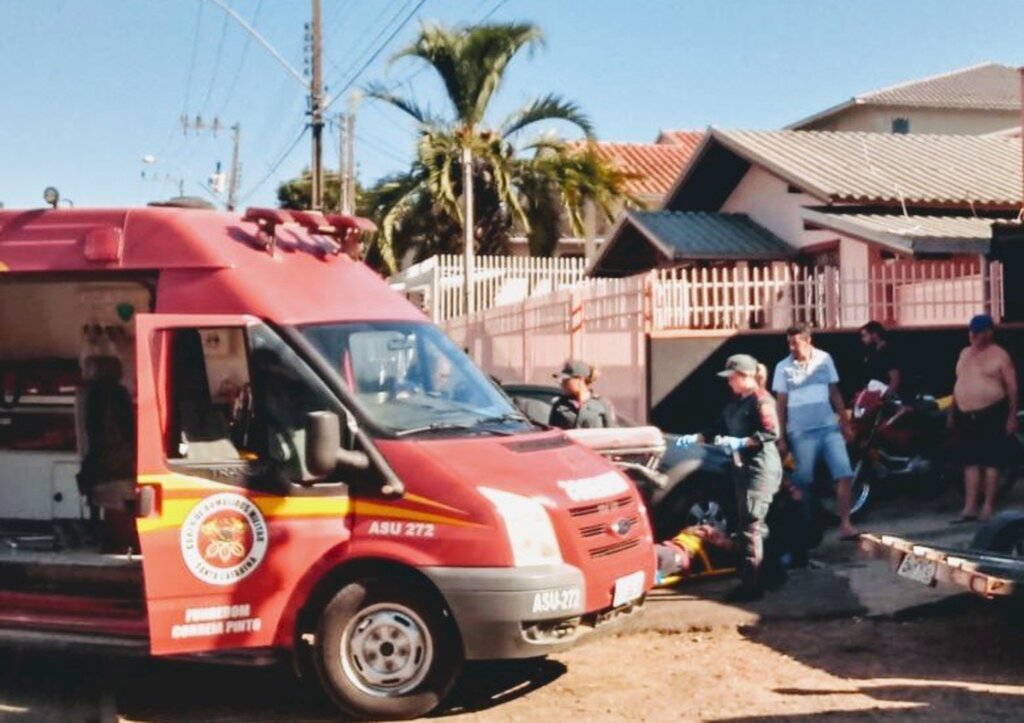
{"x": 654, "y": 168}
{"x": 980, "y": 99}
{"x": 853, "y": 198}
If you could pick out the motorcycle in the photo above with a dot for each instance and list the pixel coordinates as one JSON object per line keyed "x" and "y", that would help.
{"x": 897, "y": 444}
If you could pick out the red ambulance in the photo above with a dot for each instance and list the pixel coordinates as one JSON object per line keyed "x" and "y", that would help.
{"x": 222, "y": 436}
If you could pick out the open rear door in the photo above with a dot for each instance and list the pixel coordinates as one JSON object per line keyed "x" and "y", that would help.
{"x": 221, "y": 552}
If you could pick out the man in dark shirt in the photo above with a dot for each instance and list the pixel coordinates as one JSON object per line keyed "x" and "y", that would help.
{"x": 879, "y": 361}
{"x": 749, "y": 428}
{"x": 578, "y": 407}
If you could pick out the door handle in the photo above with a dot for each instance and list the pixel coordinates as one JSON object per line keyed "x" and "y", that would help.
{"x": 148, "y": 500}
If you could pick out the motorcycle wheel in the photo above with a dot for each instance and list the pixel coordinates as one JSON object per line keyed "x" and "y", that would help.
{"x": 860, "y": 492}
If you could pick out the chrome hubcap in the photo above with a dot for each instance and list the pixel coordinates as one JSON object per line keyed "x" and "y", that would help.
{"x": 386, "y": 650}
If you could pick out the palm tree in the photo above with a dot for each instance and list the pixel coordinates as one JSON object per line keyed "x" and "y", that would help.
{"x": 471, "y": 63}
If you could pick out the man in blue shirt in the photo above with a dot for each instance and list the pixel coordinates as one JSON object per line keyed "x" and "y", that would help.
{"x": 813, "y": 421}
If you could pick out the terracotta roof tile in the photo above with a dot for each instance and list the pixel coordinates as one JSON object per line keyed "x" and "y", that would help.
{"x": 658, "y": 165}
{"x": 690, "y": 139}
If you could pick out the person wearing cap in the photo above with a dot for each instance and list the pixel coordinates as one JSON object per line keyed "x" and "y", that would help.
{"x": 578, "y": 407}
{"x": 749, "y": 428}
{"x": 984, "y": 413}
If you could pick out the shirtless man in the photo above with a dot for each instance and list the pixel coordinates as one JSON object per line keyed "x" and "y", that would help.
{"x": 984, "y": 412}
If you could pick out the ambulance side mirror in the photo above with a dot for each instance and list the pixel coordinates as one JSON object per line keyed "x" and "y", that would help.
{"x": 324, "y": 453}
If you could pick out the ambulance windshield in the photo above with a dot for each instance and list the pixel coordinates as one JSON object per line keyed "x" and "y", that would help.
{"x": 411, "y": 379}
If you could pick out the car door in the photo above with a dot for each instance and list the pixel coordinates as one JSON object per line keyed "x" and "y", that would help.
{"x": 228, "y": 525}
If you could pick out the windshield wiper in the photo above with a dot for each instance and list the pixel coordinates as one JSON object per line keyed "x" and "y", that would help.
{"x": 433, "y": 427}
{"x": 507, "y": 417}
{"x": 475, "y": 425}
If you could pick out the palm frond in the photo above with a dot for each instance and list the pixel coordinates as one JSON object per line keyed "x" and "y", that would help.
{"x": 377, "y": 91}
{"x": 550, "y": 107}
{"x": 471, "y": 61}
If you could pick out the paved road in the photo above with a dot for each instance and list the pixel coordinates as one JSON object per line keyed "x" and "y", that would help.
{"x": 44, "y": 688}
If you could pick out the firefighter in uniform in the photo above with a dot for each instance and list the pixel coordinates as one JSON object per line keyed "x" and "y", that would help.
{"x": 578, "y": 407}
{"x": 748, "y": 427}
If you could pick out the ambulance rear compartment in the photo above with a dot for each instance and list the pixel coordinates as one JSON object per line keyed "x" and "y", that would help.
{"x": 65, "y": 564}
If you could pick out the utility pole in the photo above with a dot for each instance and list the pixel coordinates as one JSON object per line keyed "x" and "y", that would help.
{"x": 236, "y": 168}
{"x": 342, "y": 159}
{"x": 199, "y": 126}
{"x": 468, "y": 259}
{"x": 316, "y": 102}
{"x": 348, "y": 162}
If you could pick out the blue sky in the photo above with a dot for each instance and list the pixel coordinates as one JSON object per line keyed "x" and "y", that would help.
{"x": 92, "y": 86}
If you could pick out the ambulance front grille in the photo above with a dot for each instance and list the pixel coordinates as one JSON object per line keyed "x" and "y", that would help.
{"x": 609, "y": 506}
{"x": 614, "y": 548}
{"x": 602, "y": 527}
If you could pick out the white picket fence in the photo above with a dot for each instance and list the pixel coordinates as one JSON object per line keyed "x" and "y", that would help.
{"x": 436, "y": 284}
{"x": 607, "y": 321}
{"x": 897, "y": 293}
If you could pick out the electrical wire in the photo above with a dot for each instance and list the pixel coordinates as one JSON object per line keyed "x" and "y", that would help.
{"x": 382, "y": 149}
{"x": 338, "y": 5}
{"x": 216, "y": 60}
{"x": 195, "y": 52}
{"x": 376, "y": 53}
{"x": 273, "y": 169}
{"x": 241, "y": 61}
{"x": 383, "y": 12}
{"x": 496, "y": 8}
{"x": 165, "y": 145}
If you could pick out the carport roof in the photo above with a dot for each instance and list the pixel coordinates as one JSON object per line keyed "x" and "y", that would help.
{"x": 682, "y": 236}
{"x": 912, "y": 233}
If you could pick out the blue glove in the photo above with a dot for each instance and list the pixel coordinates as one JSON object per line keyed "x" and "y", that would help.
{"x": 687, "y": 440}
{"x": 733, "y": 444}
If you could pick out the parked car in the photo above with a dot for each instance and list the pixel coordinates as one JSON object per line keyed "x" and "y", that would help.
{"x": 697, "y": 488}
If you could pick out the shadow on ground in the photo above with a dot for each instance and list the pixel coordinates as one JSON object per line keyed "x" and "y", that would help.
{"x": 43, "y": 687}
{"x": 975, "y": 663}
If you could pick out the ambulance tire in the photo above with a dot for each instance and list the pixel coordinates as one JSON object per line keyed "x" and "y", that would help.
{"x": 348, "y": 644}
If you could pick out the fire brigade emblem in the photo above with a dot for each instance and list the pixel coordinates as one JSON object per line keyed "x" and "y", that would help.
{"x": 224, "y": 539}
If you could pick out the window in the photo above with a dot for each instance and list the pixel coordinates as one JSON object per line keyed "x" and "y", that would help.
{"x": 411, "y": 378}
{"x": 239, "y": 403}
{"x": 901, "y": 125}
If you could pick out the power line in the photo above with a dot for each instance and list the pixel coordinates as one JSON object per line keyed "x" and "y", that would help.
{"x": 274, "y": 168}
{"x": 241, "y": 61}
{"x": 216, "y": 62}
{"x": 496, "y": 8}
{"x": 376, "y": 53}
{"x": 382, "y": 149}
{"x": 384, "y": 11}
{"x": 195, "y": 51}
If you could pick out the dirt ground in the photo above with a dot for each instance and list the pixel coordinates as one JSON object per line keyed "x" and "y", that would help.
{"x": 954, "y": 660}
{"x": 844, "y": 641}
{"x": 953, "y": 664}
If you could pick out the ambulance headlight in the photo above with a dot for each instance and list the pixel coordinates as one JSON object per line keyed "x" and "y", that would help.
{"x": 530, "y": 532}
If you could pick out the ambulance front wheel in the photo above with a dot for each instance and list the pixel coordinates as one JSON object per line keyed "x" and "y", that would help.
{"x": 386, "y": 651}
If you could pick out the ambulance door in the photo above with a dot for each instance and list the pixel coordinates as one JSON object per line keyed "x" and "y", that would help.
{"x": 226, "y": 526}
